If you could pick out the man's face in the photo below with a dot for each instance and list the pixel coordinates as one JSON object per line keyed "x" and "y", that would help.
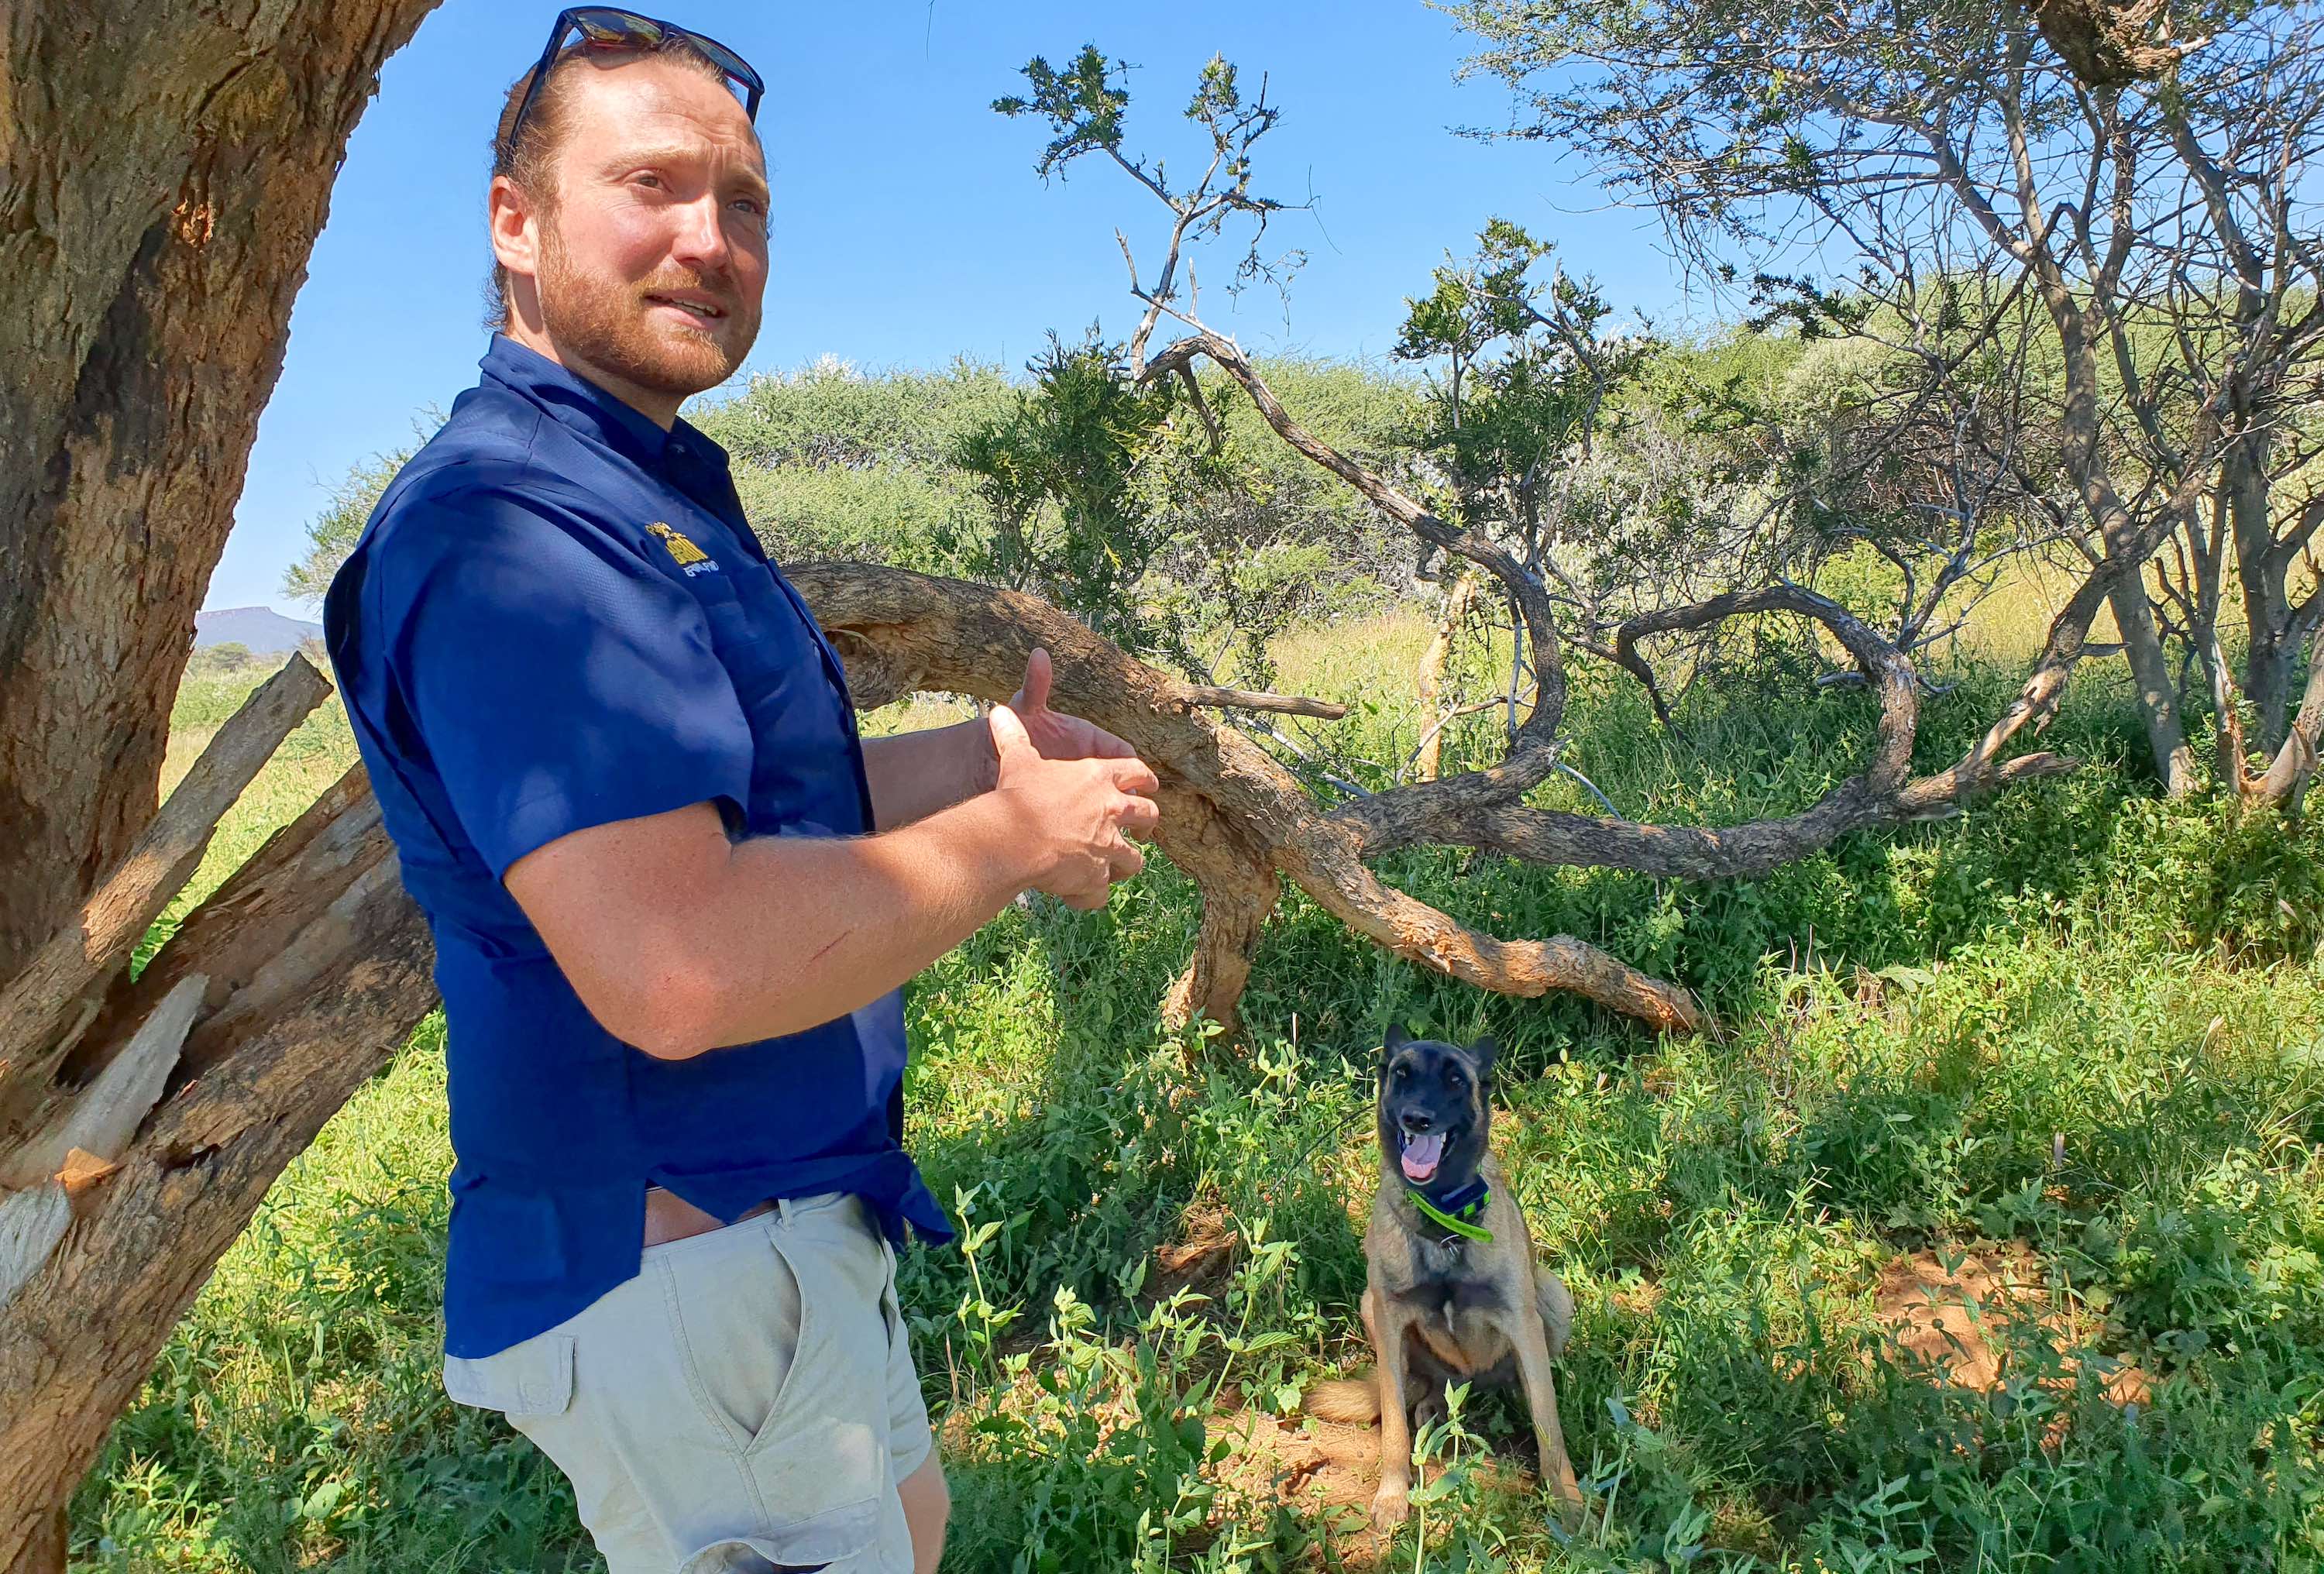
{"x": 652, "y": 259}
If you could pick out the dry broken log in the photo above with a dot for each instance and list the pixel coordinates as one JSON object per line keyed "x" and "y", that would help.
{"x": 45, "y": 1008}
{"x": 304, "y": 971}
{"x": 101, "y": 1118}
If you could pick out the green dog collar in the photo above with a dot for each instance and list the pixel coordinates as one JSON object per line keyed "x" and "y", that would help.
{"x": 1458, "y": 1222}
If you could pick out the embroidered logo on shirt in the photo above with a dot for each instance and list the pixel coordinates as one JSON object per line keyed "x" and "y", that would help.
{"x": 690, "y": 557}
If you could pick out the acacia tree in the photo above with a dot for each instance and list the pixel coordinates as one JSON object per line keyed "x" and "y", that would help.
{"x": 2143, "y": 175}
{"x": 1633, "y": 475}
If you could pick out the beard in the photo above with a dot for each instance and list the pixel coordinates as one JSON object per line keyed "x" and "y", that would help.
{"x": 609, "y": 325}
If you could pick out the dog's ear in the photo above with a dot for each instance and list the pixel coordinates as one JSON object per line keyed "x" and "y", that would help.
{"x": 1393, "y": 1043}
{"x": 1483, "y": 1053}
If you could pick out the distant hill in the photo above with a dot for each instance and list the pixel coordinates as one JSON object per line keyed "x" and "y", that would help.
{"x": 261, "y": 631}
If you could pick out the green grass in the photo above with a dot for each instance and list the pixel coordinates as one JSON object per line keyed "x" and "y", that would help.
{"x": 2074, "y": 1020}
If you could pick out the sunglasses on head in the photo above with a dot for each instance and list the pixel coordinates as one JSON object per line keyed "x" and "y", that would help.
{"x": 603, "y": 28}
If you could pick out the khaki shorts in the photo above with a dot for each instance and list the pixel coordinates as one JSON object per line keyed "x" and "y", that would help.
{"x": 747, "y": 1401}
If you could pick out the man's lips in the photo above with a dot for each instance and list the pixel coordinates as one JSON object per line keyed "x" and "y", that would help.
{"x": 700, "y": 308}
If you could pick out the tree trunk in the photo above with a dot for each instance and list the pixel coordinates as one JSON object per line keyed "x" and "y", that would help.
{"x": 167, "y": 167}
{"x": 2158, "y": 694}
{"x": 1458, "y": 597}
{"x": 2271, "y": 648}
{"x": 164, "y": 170}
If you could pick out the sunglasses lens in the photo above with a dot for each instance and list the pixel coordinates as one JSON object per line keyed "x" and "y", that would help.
{"x": 605, "y": 28}
{"x": 612, "y": 28}
{"x": 727, "y": 61}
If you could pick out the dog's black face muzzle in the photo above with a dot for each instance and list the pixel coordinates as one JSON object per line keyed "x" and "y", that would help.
{"x": 1433, "y": 1113}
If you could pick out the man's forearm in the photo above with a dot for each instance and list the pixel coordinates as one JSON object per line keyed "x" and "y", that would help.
{"x": 801, "y": 931}
{"x": 914, "y": 774}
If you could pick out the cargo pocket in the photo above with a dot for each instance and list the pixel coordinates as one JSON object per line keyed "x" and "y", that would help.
{"x": 534, "y": 1377}
{"x": 820, "y": 1458}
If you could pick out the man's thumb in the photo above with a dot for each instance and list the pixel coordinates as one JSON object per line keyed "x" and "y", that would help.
{"x": 1008, "y": 733}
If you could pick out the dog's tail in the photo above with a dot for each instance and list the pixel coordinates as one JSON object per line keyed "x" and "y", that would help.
{"x": 1349, "y": 1401}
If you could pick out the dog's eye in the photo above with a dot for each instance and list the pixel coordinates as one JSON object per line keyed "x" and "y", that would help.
{"x": 1457, "y": 1083}
{"x": 1402, "y": 1075}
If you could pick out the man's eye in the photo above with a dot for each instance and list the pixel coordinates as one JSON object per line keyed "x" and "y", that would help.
{"x": 648, "y": 177}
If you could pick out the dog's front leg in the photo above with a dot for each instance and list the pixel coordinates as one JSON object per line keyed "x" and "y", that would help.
{"x": 1387, "y": 1324}
{"x": 1541, "y": 1398}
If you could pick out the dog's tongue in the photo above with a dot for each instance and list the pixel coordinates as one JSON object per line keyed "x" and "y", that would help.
{"x": 1420, "y": 1153}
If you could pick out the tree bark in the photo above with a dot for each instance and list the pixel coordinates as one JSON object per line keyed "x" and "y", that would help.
{"x": 164, "y": 169}
{"x": 2158, "y": 693}
{"x": 1458, "y": 596}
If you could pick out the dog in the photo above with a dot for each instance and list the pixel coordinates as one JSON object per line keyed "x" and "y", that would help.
{"x": 1452, "y": 1291}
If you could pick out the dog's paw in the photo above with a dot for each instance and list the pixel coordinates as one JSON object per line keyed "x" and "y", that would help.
{"x": 1391, "y": 1504}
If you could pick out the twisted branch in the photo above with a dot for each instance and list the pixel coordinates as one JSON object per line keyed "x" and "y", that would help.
{"x": 1233, "y": 818}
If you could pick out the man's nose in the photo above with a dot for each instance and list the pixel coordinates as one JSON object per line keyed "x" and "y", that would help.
{"x": 701, "y": 239}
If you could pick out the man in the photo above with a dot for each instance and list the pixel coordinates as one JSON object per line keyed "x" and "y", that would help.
{"x": 673, "y": 894}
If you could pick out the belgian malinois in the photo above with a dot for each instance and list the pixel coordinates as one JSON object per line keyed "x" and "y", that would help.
{"x": 1453, "y": 1293}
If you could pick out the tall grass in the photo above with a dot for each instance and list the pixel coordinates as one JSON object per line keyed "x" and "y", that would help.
{"x": 2075, "y": 1022}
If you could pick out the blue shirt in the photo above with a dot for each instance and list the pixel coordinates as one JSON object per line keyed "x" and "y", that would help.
{"x": 558, "y": 617}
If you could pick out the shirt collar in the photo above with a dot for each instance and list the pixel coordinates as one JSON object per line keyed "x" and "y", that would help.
{"x": 590, "y": 411}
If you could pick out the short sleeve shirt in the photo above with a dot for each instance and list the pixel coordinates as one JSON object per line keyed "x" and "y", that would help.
{"x": 558, "y": 617}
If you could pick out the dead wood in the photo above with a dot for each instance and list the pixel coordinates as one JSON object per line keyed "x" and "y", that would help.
{"x": 1233, "y": 819}
{"x": 100, "y": 1118}
{"x": 1459, "y": 597}
{"x": 1206, "y": 697}
{"x": 277, "y": 1048}
{"x": 44, "y": 1009}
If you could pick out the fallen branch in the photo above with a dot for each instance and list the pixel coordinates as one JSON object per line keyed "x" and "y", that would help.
{"x": 1199, "y": 696}
{"x": 269, "y": 1059}
{"x": 45, "y": 1008}
{"x": 1233, "y": 818}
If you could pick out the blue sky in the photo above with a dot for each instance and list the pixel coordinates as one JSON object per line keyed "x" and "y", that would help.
{"x": 910, "y": 226}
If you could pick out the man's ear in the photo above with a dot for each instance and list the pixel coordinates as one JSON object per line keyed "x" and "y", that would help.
{"x": 514, "y": 220}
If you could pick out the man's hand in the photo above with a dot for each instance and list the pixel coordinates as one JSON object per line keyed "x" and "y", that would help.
{"x": 1053, "y": 734}
{"x": 913, "y": 775}
{"x": 1074, "y": 812}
